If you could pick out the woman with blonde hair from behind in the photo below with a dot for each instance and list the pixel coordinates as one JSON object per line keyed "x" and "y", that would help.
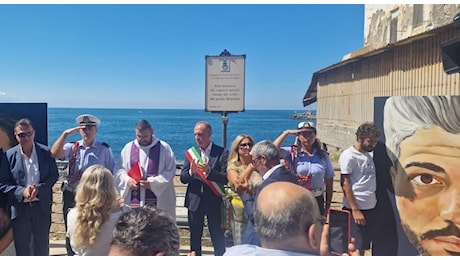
{"x": 92, "y": 221}
{"x": 241, "y": 176}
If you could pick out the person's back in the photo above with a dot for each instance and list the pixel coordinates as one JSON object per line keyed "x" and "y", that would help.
{"x": 101, "y": 244}
{"x": 91, "y": 222}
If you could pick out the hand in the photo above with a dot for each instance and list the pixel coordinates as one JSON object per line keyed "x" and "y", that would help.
{"x": 145, "y": 184}
{"x": 132, "y": 184}
{"x": 28, "y": 191}
{"x": 191, "y": 253}
{"x": 294, "y": 131}
{"x": 193, "y": 167}
{"x": 242, "y": 187}
{"x": 205, "y": 168}
{"x": 358, "y": 217}
{"x": 121, "y": 202}
{"x": 352, "y": 251}
{"x": 34, "y": 191}
{"x": 72, "y": 130}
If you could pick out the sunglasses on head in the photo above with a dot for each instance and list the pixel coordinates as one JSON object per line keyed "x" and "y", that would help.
{"x": 28, "y": 134}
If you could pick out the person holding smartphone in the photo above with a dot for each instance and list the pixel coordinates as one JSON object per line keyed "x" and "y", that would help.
{"x": 288, "y": 223}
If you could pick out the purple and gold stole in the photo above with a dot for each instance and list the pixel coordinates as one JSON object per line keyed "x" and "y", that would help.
{"x": 152, "y": 170}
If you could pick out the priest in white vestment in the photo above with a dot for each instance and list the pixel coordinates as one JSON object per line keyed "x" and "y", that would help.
{"x": 157, "y": 170}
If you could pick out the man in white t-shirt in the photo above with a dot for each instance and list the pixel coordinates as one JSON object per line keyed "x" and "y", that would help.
{"x": 358, "y": 182}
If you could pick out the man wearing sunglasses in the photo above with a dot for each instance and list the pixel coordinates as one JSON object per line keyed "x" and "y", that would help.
{"x": 29, "y": 187}
{"x": 80, "y": 154}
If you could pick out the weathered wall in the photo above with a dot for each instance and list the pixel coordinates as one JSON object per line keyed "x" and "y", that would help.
{"x": 378, "y": 18}
{"x": 346, "y": 93}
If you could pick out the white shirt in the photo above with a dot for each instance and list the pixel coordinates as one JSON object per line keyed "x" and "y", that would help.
{"x": 361, "y": 168}
{"x": 31, "y": 169}
{"x": 269, "y": 172}
{"x": 162, "y": 185}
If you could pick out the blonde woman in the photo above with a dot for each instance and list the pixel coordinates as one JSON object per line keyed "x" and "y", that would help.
{"x": 241, "y": 176}
{"x": 92, "y": 221}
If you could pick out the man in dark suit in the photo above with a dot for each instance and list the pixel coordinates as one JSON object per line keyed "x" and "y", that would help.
{"x": 200, "y": 198}
{"x": 266, "y": 160}
{"x": 29, "y": 189}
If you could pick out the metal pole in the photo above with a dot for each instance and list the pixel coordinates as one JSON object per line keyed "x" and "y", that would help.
{"x": 224, "y": 113}
{"x": 224, "y": 129}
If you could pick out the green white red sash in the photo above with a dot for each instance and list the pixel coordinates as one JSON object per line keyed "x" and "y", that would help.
{"x": 193, "y": 155}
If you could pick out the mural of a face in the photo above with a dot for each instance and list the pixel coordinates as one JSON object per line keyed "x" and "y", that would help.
{"x": 427, "y": 188}
{"x": 4, "y": 140}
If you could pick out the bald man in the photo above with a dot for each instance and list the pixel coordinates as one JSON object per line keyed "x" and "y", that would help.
{"x": 287, "y": 221}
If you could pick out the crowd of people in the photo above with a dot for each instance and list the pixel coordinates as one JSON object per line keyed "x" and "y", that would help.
{"x": 279, "y": 196}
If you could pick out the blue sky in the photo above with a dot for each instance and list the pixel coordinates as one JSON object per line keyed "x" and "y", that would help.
{"x": 153, "y": 56}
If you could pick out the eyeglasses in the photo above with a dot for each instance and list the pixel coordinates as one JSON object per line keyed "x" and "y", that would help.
{"x": 256, "y": 160}
{"x": 88, "y": 127}
{"x": 28, "y": 134}
{"x": 245, "y": 144}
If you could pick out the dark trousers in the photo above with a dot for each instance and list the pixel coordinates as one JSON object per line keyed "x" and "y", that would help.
{"x": 196, "y": 223}
{"x": 320, "y": 200}
{"x": 363, "y": 233}
{"x": 69, "y": 202}
{"x": 31, "y": 230}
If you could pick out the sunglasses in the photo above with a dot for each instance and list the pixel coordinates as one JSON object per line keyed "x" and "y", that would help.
{"x": 28, "y": 134}
{"x": 88, "y": 127}
{"x": 307, "y": 133}
{"x": 245, "y": 144}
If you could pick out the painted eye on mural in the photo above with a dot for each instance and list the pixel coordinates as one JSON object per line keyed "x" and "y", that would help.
{"x": 425, "y": 179}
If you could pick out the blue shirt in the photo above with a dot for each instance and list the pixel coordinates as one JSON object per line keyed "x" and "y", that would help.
{"x": 319, "y": 169}
{"x": 97, "y": 153}
{"x": 250, "y": 250}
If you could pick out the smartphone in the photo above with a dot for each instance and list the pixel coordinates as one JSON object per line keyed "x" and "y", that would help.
{"x": 339, "y": 231}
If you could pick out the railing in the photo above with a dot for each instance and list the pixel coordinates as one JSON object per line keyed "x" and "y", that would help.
{"x": 57, "y": 231}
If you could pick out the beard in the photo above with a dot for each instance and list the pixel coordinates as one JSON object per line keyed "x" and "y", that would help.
{"x": 415, "y": 240}
{"x": 450, "y": 230}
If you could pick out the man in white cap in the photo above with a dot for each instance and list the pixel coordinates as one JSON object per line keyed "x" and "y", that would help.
{"x": 80, "y": 154}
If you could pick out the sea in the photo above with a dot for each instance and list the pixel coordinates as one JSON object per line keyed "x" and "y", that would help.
{"x": 174, "y": 126}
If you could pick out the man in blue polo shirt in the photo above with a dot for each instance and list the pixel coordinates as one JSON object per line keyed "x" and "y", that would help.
{"x": 80, "y": 154}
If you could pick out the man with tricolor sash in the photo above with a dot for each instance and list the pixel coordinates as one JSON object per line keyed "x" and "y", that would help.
{"x": 205, "y": 172}
{"x": 145, "y": 171}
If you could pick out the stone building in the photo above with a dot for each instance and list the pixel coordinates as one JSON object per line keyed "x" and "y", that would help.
{"x": 402, "y": 56}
